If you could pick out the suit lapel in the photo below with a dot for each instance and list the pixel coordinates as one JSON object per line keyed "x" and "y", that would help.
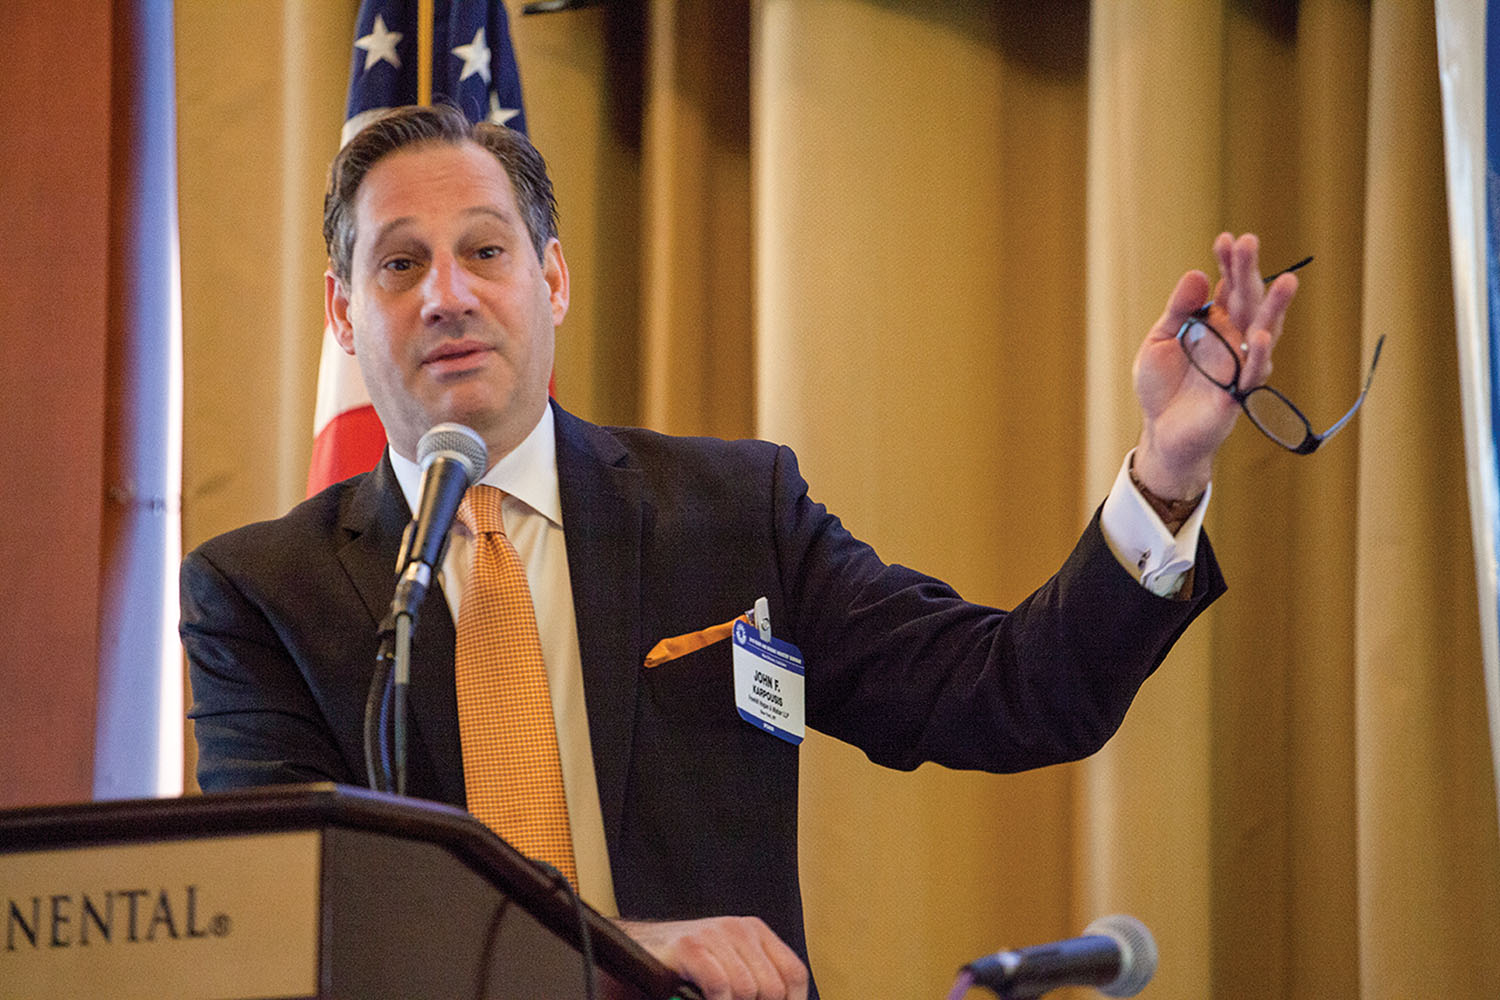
{"x": 375, "y": 519}
{"x": 602, "y": 517}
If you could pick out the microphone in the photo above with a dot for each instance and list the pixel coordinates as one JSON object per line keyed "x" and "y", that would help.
{"x": 452, "y": 457}
{"x": 1116, "y": 954}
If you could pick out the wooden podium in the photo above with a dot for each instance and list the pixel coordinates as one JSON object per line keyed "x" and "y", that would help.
{"x": 297, "y": 891}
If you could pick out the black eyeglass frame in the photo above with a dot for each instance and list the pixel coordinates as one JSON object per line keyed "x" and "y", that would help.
{"x": 1311, "y": 441}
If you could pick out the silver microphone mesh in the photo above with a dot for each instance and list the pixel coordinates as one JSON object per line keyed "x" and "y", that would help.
{"x": 1137, "y": 953}
{"x": 458, "y": 442}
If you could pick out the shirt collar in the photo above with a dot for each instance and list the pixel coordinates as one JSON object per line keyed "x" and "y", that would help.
{"x": 528, "y": 473}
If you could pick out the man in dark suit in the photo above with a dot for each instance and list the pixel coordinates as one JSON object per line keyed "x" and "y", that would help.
{"x": 447, "y": 282}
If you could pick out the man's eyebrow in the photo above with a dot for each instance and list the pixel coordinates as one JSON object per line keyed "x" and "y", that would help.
{"x": 499, "y": 214}
{"x": 384, "y": 231}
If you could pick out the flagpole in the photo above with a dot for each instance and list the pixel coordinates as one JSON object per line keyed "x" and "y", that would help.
{"x": 424, "y": 52}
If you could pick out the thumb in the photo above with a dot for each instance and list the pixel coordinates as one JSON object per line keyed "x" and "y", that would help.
{"x": 1189, "y": 295}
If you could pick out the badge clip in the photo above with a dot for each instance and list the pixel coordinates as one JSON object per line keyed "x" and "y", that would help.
{"x": 760, "y": 617}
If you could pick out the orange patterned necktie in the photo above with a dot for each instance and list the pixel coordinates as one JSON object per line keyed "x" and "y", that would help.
{"x": 512, "y": 770}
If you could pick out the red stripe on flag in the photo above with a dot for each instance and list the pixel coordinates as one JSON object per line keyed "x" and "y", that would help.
{"x": 349, "y": 444}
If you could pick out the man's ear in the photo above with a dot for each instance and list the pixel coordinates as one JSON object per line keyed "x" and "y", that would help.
{"x": 336, "y": 311}
{"x": 555, "y": 272}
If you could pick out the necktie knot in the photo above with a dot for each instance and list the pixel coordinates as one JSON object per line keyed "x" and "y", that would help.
{"x": 480, "y": 510}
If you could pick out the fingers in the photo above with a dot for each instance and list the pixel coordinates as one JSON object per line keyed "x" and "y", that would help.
{"x": 1265, "y": 330}
{"x": 1252, "y": 307}
{"x": 1239, "y": 264}
{"x": 728, "y": 958}
{"x": 1238, "y": 292}
{"x": 738, "y": 958}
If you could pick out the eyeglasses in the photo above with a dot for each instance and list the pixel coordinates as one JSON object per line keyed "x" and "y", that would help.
{"x": 1273, "y": 414}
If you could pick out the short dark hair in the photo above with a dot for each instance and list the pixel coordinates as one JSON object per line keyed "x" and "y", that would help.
{"x": 402, "y": 128}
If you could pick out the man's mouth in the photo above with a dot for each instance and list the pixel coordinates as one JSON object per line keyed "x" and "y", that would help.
{"x": 454, "y": 355}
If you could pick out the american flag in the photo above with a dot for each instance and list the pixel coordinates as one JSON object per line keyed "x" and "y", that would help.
{"x": 472, "y": 66}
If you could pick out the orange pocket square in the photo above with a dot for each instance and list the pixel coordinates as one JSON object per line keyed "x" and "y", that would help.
{"x": 681, "y": 645}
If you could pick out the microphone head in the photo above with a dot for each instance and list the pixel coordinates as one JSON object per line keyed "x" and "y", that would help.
{"x": 457, "y": 442}
{"x": 1137, "y": 953}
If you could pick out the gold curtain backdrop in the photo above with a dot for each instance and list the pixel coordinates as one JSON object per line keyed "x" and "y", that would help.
{"x": 920, "y": 243}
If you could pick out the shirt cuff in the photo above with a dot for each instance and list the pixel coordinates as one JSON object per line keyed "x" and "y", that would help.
{"x": 1151, "y": 554}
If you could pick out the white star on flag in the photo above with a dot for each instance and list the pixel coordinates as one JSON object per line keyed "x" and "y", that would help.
{"x": 380, "y": 44}
{"x": 499, "y": 115}
{"x": 476, "y": 57}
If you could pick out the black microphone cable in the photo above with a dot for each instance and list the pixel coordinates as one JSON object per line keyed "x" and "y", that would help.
{"x": 452, "y": 458}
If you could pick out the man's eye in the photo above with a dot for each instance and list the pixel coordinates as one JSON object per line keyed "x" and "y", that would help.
{"x": 399, "y": 264}
{"x": 488, "y": 253}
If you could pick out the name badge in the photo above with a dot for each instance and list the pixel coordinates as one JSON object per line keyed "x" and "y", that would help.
{"x": 768, "y": 683}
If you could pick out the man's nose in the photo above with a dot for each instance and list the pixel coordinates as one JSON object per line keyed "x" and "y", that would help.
{"x": 447, "y": 290}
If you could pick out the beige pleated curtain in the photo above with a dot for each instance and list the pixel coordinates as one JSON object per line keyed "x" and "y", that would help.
{"x": 920, "y": 242}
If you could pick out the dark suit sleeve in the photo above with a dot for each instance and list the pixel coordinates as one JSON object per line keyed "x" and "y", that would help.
{"x": 256, "y": 720}
{"x": 901, "y": 666}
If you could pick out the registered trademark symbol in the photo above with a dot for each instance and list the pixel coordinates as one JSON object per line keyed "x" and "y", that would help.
{"x": 219, "y": 927}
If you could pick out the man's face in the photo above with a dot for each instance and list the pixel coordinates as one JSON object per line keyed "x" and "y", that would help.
{"x": 447, "y": 309}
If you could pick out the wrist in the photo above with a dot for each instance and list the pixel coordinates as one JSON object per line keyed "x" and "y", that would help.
{"x": 1164, "y": 476}
{"x": 1174, "y": 510}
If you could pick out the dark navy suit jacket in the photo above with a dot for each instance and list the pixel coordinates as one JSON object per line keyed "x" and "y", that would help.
{"x": 667, "y": 536}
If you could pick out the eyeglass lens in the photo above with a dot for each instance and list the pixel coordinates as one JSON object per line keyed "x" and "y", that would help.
{"x": 1211, "y": 355}
{"x": 1272, "y": 413}
{"x": 1278, "y": 419}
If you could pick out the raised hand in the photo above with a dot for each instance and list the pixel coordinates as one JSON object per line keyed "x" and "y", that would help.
{"x": 1185, "y": 417}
